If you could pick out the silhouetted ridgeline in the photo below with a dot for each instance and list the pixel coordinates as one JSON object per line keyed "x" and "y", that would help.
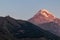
{"x": 12, "y": 29}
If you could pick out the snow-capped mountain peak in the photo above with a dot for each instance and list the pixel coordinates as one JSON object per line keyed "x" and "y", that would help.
{"x": 42, "y": 16}
{"x": 45, "y": 13}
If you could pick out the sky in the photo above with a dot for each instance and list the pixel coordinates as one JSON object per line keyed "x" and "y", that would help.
{"x": 25, "y": 9}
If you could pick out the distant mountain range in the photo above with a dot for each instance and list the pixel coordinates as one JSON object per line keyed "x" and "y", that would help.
{"x": 43, "y": 26}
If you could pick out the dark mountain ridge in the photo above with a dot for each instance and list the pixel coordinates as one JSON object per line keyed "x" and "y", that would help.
{"x": 12, "y": 29}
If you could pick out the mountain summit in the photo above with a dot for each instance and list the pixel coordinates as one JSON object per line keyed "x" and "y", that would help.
{"x": 47, "y": 21}
{"x": 46, "y": 13}
{"x": 42, "y": 16}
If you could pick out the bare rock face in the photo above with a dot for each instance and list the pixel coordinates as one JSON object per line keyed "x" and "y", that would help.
{"x": 42, "y": 16}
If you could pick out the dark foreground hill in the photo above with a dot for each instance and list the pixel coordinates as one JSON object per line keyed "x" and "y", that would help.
{"x": 12, "y": 29}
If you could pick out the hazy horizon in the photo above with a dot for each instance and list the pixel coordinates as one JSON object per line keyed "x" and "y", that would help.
{"x": 25, "y": 9}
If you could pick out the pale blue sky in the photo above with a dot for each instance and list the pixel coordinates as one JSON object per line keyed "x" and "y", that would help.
{"x": 25, "y": 9}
